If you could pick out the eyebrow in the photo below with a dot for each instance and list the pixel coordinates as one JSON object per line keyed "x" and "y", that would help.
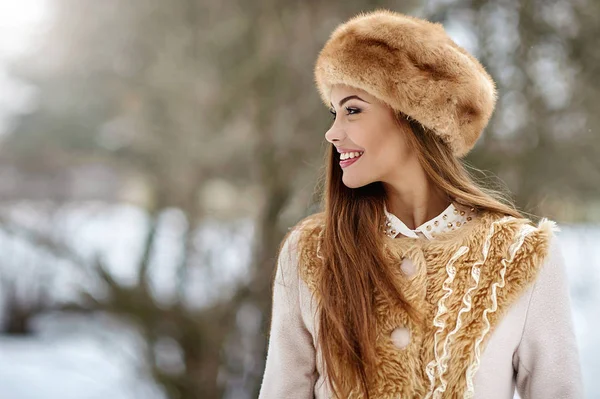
{"x": 350, "y": 98}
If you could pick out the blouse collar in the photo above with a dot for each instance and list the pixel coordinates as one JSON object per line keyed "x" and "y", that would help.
{"x": 452, "y": 218}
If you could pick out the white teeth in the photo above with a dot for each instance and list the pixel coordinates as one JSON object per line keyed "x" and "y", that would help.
{"x": 350, "y": 155}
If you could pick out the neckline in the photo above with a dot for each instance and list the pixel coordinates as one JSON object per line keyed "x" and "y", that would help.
{"x": 450, "y": 219}
{"x": 468, "y": 235}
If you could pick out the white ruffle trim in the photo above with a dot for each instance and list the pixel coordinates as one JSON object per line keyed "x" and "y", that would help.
{"x": 433, "y": 365}
{"x": 439, "y": 365}
{"x": 524, "y": 231}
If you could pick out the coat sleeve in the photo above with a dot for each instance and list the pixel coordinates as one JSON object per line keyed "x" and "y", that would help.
{"x": 547, "y": 359}
{"x": 290, "y": 369}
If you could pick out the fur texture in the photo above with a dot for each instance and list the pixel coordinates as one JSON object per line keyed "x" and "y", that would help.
{"x": 412, "y": 65}
{"x": 495, "y": 260}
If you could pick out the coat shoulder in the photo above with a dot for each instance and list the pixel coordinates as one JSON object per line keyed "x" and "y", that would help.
{"x": 309, "y": 232}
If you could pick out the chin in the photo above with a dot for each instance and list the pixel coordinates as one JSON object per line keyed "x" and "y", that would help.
{"x": 351, "y": 182}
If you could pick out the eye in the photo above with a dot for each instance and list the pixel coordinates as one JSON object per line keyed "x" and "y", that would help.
{"x": 352, "y": 111}
{"x": 349, "y": 110}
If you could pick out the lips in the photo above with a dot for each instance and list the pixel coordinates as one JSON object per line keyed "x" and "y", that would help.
{"x": 347, "y": 162}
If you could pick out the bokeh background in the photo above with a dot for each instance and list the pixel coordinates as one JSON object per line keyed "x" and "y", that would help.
{"x": 153, "y": 154}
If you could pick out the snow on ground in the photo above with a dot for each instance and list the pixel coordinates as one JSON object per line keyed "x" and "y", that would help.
{"x": 74, "y": 358}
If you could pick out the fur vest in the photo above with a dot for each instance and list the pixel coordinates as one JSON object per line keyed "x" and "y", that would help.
{"x": 465, "y": 281}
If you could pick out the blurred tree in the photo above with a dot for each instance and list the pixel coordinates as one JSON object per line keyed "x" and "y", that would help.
{"x": 175, "y": 105}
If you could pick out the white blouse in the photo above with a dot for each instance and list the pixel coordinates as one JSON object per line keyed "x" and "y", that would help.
{"x": 452, "y": 218}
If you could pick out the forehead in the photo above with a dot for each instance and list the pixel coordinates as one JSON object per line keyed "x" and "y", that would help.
{"x": 339, "y": 91}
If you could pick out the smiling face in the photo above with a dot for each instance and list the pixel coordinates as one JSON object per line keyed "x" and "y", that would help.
{"x": 364, "y": 124}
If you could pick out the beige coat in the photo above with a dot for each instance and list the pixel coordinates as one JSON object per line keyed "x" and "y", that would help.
{"x": 530, "y": 345}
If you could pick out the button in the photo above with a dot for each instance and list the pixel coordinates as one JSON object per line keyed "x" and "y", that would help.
{"x": 408, "y": 267}
{"x": 400, "y": 337}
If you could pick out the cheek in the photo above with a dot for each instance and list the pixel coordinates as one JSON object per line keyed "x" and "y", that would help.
{"x": 381, "y": 140}
{"x": 388, "y": 146}
{"x": 388, "y": 152}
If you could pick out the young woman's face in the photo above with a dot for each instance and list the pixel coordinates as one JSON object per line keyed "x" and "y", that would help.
{"x": 364, "y": 124}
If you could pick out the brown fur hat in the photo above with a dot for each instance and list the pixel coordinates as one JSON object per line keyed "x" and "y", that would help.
{"x": 412, "y": 65}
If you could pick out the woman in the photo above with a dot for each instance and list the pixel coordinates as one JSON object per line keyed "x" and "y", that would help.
{"x": 414, "y": 282}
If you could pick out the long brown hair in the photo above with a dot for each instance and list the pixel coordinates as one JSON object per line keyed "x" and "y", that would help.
{"x": 354, "y": 262}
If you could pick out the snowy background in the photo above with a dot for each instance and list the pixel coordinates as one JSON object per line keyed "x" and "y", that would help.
{"x": 76, "y": 90}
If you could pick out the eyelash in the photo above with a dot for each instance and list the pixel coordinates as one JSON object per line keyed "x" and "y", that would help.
{"x": 356, "y": 111}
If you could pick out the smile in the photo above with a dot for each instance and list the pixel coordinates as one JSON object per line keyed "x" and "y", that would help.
{"x": 347, "y": 162}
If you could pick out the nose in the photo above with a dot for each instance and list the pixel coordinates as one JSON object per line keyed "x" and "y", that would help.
{"x": 334, "y": 134}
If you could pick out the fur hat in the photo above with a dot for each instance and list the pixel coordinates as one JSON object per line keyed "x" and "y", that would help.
{"x": 415, "y": 67}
